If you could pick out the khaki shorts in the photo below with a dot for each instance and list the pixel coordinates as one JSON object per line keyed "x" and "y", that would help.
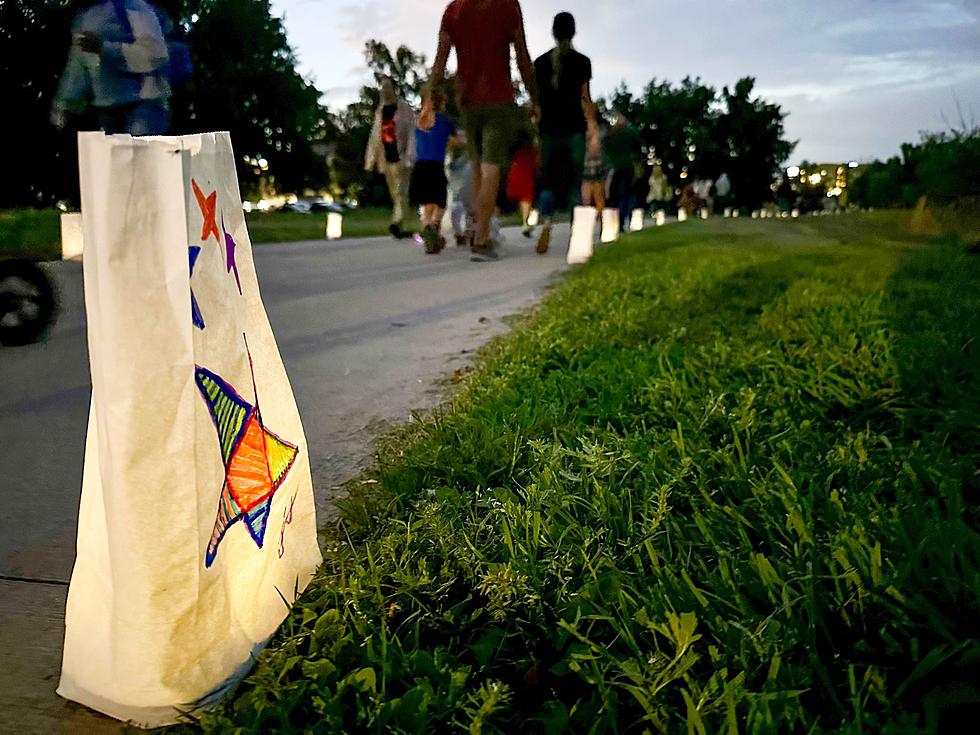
{"x": 491, "y": 131}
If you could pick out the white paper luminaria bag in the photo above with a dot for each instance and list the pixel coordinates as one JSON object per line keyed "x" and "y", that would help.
{"x": 197, "y": 522}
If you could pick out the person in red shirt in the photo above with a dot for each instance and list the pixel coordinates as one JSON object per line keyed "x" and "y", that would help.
{"x": 482, "y": 32}
{"x": 523, "y": 174}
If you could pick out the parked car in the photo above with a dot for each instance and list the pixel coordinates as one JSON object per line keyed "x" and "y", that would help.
{"x": 322, "y": 205}
{"x": 300, "y": 207}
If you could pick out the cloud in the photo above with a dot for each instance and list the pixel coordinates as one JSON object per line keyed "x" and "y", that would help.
{"x": 898, "y": 19}
{"x": 361, "y": 22}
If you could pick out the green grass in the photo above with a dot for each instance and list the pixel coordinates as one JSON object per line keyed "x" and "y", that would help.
{"x": 30, "y": 233}
{"x": 292, "y": 226}
{"x": 37, "y": 234}
{"x": 723, "y": 480}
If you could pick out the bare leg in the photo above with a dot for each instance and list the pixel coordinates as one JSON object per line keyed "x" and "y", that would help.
{"x": 475, "y": 191}
{"x": 599, "y": 195}
{"x": 525, "y": 212}
{"x": 486, "y": 185}
{"x": 586, "y": 193}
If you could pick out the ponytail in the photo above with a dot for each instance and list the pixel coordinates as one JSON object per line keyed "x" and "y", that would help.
{"x": 557, "y": 55}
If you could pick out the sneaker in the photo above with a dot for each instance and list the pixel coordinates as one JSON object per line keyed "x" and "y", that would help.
{"x": 430, "y": 237}
{"x": 460, "y": 240}
{"x": 486, "y": 252}
{"x": 527, "y": 231}
{"x": 544, "y": 241}
{"x": 396, "y": 230}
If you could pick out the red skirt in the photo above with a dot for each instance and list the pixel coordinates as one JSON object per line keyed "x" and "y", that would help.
{"x": 523, "y": 172}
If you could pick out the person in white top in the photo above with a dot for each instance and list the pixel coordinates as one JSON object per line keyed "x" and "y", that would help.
{"x": 391, "y": 151}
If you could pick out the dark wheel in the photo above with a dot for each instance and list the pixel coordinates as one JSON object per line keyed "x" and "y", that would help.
{"x": 27, "y": 303}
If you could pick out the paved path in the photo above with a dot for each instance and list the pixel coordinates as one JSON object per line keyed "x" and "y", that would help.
{"x": 366, "y": 329}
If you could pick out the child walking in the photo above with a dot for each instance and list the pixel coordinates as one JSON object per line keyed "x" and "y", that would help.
{"x": 429, "y": 183}
{"x": 523, "y": 174}
{"x": 460, "y": 174}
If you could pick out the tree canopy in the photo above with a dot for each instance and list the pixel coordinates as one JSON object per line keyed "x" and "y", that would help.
{"x": 41, "y": 157}
{"x": 694, "y": 132}
{"x": 245, "y": 81}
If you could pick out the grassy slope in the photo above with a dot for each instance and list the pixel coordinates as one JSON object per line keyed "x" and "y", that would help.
{"x": 723, "y": 480}
{"x": 290, "y": 226}
{"x": 34, "y": 233}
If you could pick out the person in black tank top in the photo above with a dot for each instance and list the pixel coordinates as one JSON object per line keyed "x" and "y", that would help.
{"x": 566, "y": 114}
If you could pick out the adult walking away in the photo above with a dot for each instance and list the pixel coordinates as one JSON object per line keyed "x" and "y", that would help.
{"x": 567, "y": 113}
{"x": 391, "y": 151}
{"x": 621, "y": 149}
{"x": 119, "y": 64}
{"x": 482, "y": 32}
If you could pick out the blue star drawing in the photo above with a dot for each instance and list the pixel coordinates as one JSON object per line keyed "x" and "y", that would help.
{"x": 195, "y": 250}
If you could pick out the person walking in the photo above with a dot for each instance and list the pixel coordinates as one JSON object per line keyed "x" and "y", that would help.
{"x": 119, "y": 65}
{"x": 523, "y": 174}
{"x": 567, "y": 113}
{"x": 660, "y": 191}
{"x": 482, "y": 32}
{"x": 429, "y": 183}
{"x": 460, "y": 175}
{"x": 391, "y": 151}
{"x": 621, "y": 149}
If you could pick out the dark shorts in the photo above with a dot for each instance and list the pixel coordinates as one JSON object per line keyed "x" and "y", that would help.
{"x": 429, "y": 184}
{"x": 491, "y": 131}
{"x": 594, "y": 172}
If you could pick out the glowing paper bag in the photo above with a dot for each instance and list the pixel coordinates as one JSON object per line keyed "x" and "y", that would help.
{"x": 610, "y": 225}
{"x": 197, "y": 521}
{"x": 581, "y": 244}
{"x": 636, "y": 220}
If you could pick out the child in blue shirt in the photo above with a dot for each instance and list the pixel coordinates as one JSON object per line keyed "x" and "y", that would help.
{"x": 428, "y": 185}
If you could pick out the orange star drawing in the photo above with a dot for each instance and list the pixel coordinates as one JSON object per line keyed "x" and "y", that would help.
{"x": 207, "y": 205}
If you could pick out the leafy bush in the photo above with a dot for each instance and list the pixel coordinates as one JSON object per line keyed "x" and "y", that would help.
{"x": 943, "y": 167}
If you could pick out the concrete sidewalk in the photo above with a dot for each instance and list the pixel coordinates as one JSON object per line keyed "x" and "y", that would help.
{"x": 366, "y": 329}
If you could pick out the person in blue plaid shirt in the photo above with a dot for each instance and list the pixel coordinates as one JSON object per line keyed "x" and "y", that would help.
{"x": 119, "y": 64}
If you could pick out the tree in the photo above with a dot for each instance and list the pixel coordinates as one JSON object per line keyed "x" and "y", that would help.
{"x": 945, "y": 167}
{"x": 694, "y": 134}
{"x": 751, "y": 134}
{"x": 679, "y": 127}
{"x": 245, "y": 81}
{"x": 34, "y": 39}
